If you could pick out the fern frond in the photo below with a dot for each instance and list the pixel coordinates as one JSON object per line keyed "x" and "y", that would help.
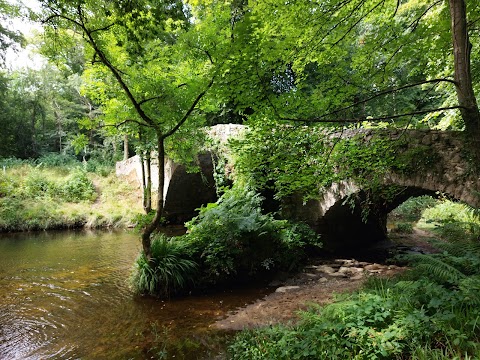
{"x": 436, "y": 268}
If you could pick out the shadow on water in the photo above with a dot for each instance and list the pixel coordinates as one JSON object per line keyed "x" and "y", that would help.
{"x": 65, "y": 295}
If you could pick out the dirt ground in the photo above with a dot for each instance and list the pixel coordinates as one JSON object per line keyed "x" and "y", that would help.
{"x": 317, "y": 283}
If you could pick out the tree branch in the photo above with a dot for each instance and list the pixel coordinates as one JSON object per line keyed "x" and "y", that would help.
{"x": 189, "y": 111}
{"x": 376, "y": 119}
{"x": 126, "y": 122}
{"x": 103, "y": 28}
{"x": 357, "y": 22}
{"x": 414, "y": 24}
{"x": 384, "y": 92}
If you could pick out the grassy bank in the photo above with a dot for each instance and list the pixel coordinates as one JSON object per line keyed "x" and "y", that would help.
{"x": 431, "y": 312}
{"x": 35, "y": 196}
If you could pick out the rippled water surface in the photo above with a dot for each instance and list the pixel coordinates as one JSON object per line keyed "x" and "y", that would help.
{"x": 66, "y": 296}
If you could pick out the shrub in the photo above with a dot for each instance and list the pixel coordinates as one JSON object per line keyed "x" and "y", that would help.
{"x": 56, "y": 160}
{"x": 453, "y": 221}
{"x": 12, "y": 162}
{"x": 78, "y": 187}
{"x": 9, "y": 185}
{"x": 432, "y": 311}
{"x": 98, "y": 167}
{"x": 403, "y": 227}
{"x": 36, "y": 185}
{"x": 169, "y": 270}
{"x": 233, "y": 238}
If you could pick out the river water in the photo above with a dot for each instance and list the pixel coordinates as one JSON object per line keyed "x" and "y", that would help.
{"x": 65, "y": 295}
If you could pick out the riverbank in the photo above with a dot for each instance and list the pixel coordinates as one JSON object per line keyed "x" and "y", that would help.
{"x": 435, "y": 301}
{"x": 51, "y": 198}
{"x": 320, "y": 282}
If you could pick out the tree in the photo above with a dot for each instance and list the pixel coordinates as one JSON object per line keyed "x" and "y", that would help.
{"x": 346, "y": 62}
{"x": 8, "y": 38}
{"x": 462, "y": 48}
{"x": 141, "y": 65}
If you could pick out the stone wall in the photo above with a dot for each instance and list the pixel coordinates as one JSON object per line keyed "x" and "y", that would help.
{"x": 184, "y": 192}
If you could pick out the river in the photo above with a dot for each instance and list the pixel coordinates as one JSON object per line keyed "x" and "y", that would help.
{"x": 65, "y": 295}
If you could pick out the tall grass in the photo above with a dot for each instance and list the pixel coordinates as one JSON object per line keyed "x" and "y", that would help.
{"x": 169, "y": 270}
{"x": 37, "y": 197}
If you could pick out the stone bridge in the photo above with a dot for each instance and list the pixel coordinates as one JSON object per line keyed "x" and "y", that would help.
{"x": 439, "y": 163}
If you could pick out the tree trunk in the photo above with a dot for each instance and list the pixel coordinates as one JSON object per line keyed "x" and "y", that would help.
{"x": 125, "y": 147}
{"x": 150, "y": 228}
{"x": 463, "y": 78}
{"x": 147, "y": 195}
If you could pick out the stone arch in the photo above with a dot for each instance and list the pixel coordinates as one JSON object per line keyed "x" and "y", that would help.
{"x": 351, "y": 226}
{"x": 431, "y": 162}
{"x": 339, "y": 214}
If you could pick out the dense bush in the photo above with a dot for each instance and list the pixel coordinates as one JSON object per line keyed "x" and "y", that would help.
{"x": 56, "y": 160}
{"x": 8, "y": 185}
{"x": 169, "y": 270}
{"x": 232, "y": 238}
{"x": 37, "y": 185}
{"x": 11, "y": 162}
{"x": 99, "y": 166}
{"x": 412, "y": 209}
{"x": 78, "y": 187}
{"x": 455, "y": 221}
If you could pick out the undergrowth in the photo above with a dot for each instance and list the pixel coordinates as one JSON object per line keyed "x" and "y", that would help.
{"x": 40, "y": 196}
{"x": 430, "y": 312}
{"x": 169, "y": 271}
{"x": 229, "y": 241}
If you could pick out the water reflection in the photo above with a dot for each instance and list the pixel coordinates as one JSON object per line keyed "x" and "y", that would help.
{"x": 66, "y": 296}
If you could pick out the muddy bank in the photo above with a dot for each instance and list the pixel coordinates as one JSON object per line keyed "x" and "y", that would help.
{"x": 317, "y": 283}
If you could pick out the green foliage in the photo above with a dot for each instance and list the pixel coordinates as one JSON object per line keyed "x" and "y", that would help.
{"x": 56, "y": 160}
{"x": 40, "y": 198}
{"x": 36, "y": 185}
{"x": 306, "y": 160}
{"x": 378, "y": 324}
{"x": 99, "y": 167}
{"x": 289, "y": 159}
{"x": 453, "y": 221}
{"x": 12, "y": 161}
{"x": 365, "y": 161}
{"x": 403, "y": 227}
{"x": 233, "y": 239}
{"x": 168, "y": 272}
{"x": 416, "y": 158}
{"x": 412, "y": 209}
{"x": 78, "y": 187}
{"x": 431, "y": 312}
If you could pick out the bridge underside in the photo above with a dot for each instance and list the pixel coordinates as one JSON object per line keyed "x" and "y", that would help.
{"x": 187, "y": 192}
{"x": 349, "y": 226}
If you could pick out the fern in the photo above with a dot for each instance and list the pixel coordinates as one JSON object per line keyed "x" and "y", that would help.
{"x": 458, "y": 248}
{"x": 436, "y": 269}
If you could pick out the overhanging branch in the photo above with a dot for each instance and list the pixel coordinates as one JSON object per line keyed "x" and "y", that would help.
{"x": 189, "y": 111}
{"x": 388, "y": 91}
{"x": 371, "y": 119}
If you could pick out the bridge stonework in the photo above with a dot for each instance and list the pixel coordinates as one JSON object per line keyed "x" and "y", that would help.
{"x": 434, "y": 163}
{"x": 184, "y": 192}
